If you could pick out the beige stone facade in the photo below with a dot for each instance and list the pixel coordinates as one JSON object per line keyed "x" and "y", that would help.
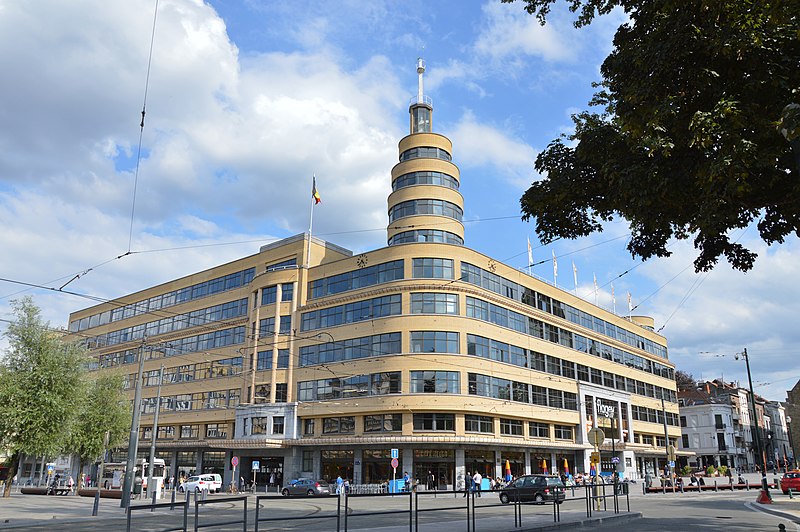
{"x": 307, "y": 360}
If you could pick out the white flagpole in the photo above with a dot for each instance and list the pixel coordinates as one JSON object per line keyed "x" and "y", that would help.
{"x": 311, "y": 220}
{"x": 575, "y": 276}
{"x": 530, "y": 256}
{"x": 613, "y": 299}
{"x": 630, "y": 305}
{"x": 555, "y": 270}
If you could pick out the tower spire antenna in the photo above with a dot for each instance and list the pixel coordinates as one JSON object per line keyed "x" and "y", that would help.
{"x": 420, "y": 72}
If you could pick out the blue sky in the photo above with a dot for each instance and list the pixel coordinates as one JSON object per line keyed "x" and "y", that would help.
{"x": 247, "y": 100}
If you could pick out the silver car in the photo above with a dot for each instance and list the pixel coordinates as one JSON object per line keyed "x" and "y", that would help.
{"x": 307, "y": 487}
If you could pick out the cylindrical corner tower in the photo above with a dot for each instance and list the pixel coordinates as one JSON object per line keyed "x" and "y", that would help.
{"x": 425, "y": 204}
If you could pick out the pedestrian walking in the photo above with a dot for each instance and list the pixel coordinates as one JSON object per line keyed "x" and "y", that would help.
{"x": 477, "y": 479}
{"x": 431, "y": 485}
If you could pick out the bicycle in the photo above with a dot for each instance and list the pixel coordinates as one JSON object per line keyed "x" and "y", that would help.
{"x": 232, "y": 489}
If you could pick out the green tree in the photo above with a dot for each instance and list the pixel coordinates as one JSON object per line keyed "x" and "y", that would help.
{"x": 40, "y": 383}
{"x": 698, "y": 133}
{"x": 684, "y": 380}
{"x": 103, "y": 408}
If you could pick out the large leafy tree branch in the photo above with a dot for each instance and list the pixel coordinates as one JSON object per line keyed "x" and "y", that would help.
{"x": 49, "y": 404}
{"x": 698, "y": 132}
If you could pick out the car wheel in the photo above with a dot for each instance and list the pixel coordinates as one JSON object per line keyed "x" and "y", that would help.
{"x": 285, "y": 492}
{"x": 504, "y": 498}
{"x": 310, "y": 493}
{"x": 538, "y": 498}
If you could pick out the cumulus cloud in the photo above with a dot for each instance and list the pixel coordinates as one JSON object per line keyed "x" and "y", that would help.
{"x": 481, "y": 144}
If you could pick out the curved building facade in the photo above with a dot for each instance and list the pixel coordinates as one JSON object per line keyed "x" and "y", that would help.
{"x": 305, "y": 360}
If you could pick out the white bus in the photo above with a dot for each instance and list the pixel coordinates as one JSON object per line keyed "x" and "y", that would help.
{"x": 114, "y": 473}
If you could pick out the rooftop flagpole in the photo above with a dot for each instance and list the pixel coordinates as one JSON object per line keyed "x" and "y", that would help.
{"x": 315, "y": 198}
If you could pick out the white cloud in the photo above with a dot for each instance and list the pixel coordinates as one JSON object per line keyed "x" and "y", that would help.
{"x": 479, "y": 145}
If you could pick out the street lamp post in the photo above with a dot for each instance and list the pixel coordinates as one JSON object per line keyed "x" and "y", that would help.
{"x": 133, "y": 438}
{"x": 756, "y": 431}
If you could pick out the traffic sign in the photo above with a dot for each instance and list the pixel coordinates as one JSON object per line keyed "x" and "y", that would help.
{"x": 597, "y": 437}
{"x": 671, "y": 453}
{"x": 256, "y": 465}
{"x": 395, "y": 463}
{"x": 615, "y": 459}
{"x": 671, "y": 463}
{"x": 395, "y": 453}
{"x": 235, "y": 461}
{"x": 594, "y": 458}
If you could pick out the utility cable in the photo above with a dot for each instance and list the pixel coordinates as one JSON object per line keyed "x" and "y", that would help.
{"x": 141, "y": 124}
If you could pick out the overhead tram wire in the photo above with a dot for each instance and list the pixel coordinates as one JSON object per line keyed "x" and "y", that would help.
{"x": 141, "y": 124}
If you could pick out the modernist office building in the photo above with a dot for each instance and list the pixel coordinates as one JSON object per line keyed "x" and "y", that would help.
{"x": 307, "y": 360}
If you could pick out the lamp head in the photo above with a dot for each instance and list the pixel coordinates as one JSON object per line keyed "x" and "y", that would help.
{"x": 736, "y": 356}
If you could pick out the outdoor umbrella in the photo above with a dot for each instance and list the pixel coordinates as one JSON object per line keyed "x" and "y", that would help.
{"x": 508, "y": 471}
{"x": 544, "y": 465}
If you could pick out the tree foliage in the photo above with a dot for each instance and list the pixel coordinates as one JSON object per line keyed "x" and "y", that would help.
{"x": 103, "y": 409}
{"x": 698, "y": 133}
{"x": 684, "y": 380}
{"x": 49, "y": 405}
{"x": 40, "y": 382}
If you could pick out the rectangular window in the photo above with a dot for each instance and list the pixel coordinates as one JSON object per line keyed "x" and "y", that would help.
{"x": 435, "y": 382}
{"x": 258, "y": 425}
{"x": 190, "y": 432}
{"x": 339, "y": 425}
{"x": 217, "y": 430}
{"x": 484, "y": 424}
{"x": 434, "y": 422}
{"x": 564, "y": 432}
{"x": 308, "y": 460}
{"x": 434, "y": 342}
{"x": 308, "y": 429}
{"x": 277, "y": 424}
{"x": 433, "y": 268}
{"x": 434, "y": 303}
{"x": 510, "y": 427}
{"x": 538, "y": 430}
{"x": 685, "y": 440}
{"x": 383, "y": 423}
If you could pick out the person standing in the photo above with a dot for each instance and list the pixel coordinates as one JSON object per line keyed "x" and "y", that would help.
{"x": 406, "y": 481}
{"x": 431, "y": 481}
{"x": 468, "y": 484}
{"x": 339, "y": 485}
{"x": 477, "y": 479}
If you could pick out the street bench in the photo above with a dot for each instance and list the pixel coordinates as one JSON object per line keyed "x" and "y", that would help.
{"x": 46, "y": 491}
{"x": 708, "y": 487}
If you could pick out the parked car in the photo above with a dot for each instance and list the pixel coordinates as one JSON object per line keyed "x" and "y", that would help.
{"x": 536, "y": 488}
{"x": 200, "y": 483}
{"x": 306, "y": 486}
{"x": 790, "y": 480}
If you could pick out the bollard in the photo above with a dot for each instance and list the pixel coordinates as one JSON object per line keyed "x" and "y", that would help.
{"x": 791, "y": 493}
{"x": 96, "y": 502}
{"x": 172, "y": 502}
{"x": 153, "y": 509}
{"x": 715, "y": 486}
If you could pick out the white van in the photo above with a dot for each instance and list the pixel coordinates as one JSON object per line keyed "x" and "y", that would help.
{"x": 215, "y": 482}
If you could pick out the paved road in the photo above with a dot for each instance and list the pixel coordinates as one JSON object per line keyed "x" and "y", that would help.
{"x": 726, "y": 511}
